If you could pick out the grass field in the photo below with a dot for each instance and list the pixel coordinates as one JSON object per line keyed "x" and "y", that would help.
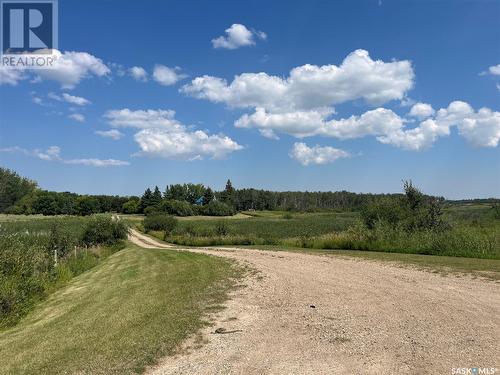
{"x": 134, "y": 307}
{"x": 473, "y": 232}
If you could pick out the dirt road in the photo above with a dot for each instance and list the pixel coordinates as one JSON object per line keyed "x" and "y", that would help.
{"x": 308, "y": 314}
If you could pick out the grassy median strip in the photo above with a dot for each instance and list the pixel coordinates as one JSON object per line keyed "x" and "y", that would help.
{"x": 134, "y": 307}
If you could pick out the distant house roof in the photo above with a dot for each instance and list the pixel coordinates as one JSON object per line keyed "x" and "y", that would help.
{"x": 199, "y": 201}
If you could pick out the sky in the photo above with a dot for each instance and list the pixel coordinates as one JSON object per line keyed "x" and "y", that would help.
{"x": 295, "y": 95}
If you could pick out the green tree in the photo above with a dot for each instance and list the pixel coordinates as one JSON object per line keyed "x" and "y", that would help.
{"x": 208, "y": 196}
{"x": 131, "y": 206}
{"x": 87, "y": 205}
{"x": 228, "y": 194}
{"x": 156, "y": 196}
{"x": 13, "y": 187}
{"x": 145, "y": 200}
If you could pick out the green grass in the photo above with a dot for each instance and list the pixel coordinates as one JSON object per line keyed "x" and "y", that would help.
{"x": 474, "y": 232}
{"x": 120, "y": 316}
{"x": 272, "y": 225}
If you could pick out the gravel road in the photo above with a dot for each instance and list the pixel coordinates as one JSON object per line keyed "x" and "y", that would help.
{"x": 309, "y": 314}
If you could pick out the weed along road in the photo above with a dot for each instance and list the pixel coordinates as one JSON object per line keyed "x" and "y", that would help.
{"x": 311, "y": 314}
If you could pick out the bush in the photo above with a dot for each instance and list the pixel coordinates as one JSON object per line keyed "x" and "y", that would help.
{"x": 160, "y": 222}
{"x": 104, "y": 230}
{"x": 216, "y": 208}
{"x": 131, "y": 206}
{"x": 177, "y": 208}
{"x": 60, "y": 240}
{"x": 221, "y": 228}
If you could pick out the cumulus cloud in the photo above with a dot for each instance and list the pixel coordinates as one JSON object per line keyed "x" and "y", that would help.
{"x": 302, "y": 124}
{"x": 310, "y": 86}
{"x": 481, "y": 128}
{"x": 301, "y": 105}
{"x": 495, "y": 70}
{"x": 318, "y": 155}
{"x": 184, "y": 145}
{"x": 71, "y": 67}
{"x": 11, "y": 76}
{"x": 138, "y": 73}
{"x": 53, "y": 153}
{"x": 161, "y": 135}
{"x": 167, "y": 76}
{"x": 238, "y": 36}
{"x": 112, "y": 133}
{"x": 77, "y": 117}
{"x": 421, "y": 110}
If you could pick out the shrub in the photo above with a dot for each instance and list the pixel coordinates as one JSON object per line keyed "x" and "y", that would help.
{"x": 216, "y": 208}
{"x": 287, "y": 216}
{"x": 60, "y": 240}
{"x": 221, "y": 228}
{"x": 177, "y": 208}
{"x": 160, "y": 222}
{"x": 131, "y": 206}
{"x": 152, "y": 210}
{"x": 104, "y": 230}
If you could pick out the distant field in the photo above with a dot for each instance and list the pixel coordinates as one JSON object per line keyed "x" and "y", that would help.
{"x": 272, "y": 224}
{"x": 134, "y": 307}
{"x": 473, "y": 232}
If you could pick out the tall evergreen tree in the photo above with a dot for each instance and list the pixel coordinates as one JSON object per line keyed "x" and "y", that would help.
{"x": 208, "y": 196}
{"x": 228, "y": 195}
{"x": 146, "y": 199}
{"x": 155, "y": 197}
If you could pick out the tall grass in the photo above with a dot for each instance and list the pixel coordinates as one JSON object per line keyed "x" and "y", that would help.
{"x": 460, "y": 241}
{"x": 38, "y": 256}
{"x": 473, "y": 233}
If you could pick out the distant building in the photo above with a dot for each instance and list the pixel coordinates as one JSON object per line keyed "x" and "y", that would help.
{"x": 199, "y": 201}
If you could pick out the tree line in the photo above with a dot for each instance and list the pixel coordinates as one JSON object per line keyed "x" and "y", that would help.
{"x": 19, "y": 195}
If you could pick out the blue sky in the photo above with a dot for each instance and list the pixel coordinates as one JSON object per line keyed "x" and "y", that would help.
{"x": 393, "y": 90}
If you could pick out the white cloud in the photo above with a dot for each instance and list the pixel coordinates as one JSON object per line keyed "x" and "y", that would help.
{"x": 76, "y": 100}
{"x": 161, "y": 135}
{"x": 53, "y": 153}
{"x": 65, "y": 97}
{"x": 238, "y": 36}
{"x": 138, "y": 73}
{"x": 98, "y": 162}
{"x": 113, "y": 134}
{"x": 421, "y": 111}
{"x": 71, "y": 67}
{"x": 184, "y": 145}
{"x": 77, "y": 117}
{"x": 301, "y": 105}
{"x": 167, "y": 76}
{"x": 11, "y": 76}
{"x": 379, "y": 121}
{"x": 311, "y": 86}
{"x": 37, "y": 100}
{"x": 143, "y": 119}
{"x": 495, "y": 70}
{"x": 306, "y": 155}
{"x": 480, "y": 128}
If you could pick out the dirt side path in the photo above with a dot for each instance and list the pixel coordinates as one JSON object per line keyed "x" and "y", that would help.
{"x": 368, "y": 318}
